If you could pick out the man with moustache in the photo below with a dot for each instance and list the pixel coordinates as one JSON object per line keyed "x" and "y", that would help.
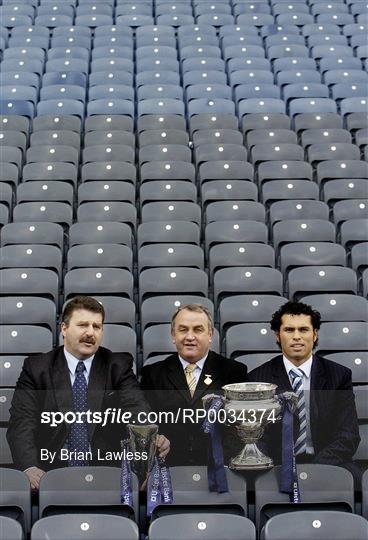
{"x": 326, "y": 429}
{"x": 78, "y": 376}
{"x": 180, "y": 381}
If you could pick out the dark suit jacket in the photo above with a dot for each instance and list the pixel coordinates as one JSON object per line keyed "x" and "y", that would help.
{"x": 333, "y": 417}
{"x": 44, "y": 385}
{"x": 166, "y": 389}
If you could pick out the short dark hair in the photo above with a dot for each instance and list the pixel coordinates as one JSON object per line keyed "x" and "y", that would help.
{"x": 81, "y": 302}
{"x": 295, "y": 308}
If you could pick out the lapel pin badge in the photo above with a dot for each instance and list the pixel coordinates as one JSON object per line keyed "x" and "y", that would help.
{"x": 208, "y": 379}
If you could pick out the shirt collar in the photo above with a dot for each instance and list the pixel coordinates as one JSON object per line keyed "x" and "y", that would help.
{"x": 199, "y": 364}
{"x": 305, "y": 367}
{"x": 73, "y": 362}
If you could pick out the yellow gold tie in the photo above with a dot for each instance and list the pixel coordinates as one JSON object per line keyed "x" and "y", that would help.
{"x": 191, "y": 380}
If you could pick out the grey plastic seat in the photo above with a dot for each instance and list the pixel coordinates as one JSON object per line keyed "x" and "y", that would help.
{"x": 191, "y": 487}
{"x": 288, "y": 190}
{"x": 94, "y": 488}
{"x": 118, "y": 310}
{"x": 349, "y": 209}
{"x": 154, "y": 136}
{"x": 233, "y": 210}
{"x": 315, "y": 136}
{"x": 172, "y": 280}
{"x": 309, "y": 230}
{"x": 162, "y": 190}
{"x": 246, "y": 279}
{"x": 56, "y": 212}
{"x": 65, "y": 107}
{"x": 45, "y": 191}
{"x": 103, "y": 232}
{"x": 359, "y": 256}
{"x": 332, "y": 279}
{"x": 328, "y": 151}
{"x": 161, "y": 255}
{"x": 156, "y": 341}
{"x": 6, "y": 396}
{"x": 167, "y": 170}
{"x": 106, "y": 122}
{"x": 25, "y": 339}
{"x": 344, "y": 189}
{"x": 98, "y": 281}
{"x": 212, "y": 121}
{"x": 297, "y": 254}
{"x": 225, "y": 170}
{"x": 168, "y": 231}
{"x": 249, "y": 337}
{"x": 106, "y": 191}
{"x": 327, "y": 170}
{"x": 245, "y": 308}
{"x": 353, "y": 231}
{"x": 163, "y": 152}
{"x": 159, "y": 309}
{"x": 264, "y": 136}
{"x": 298, "y": 209}
{"x": 223, "y": 152}
{"x": 10, "y": 368}
{"x": 29, "y": 281}
{"x": 356, "y": 361}
{"x": 78, "y": 525}
{"x": 321, "y": 484}
{"x": 171, "y": 211}
{"x": 10, "y": 528}
{"x": 316, "y": 525}
{"x": 310, "y": 120}
{"x": 202, "y": 526}
{"x": 51, "y": 154}
{"x": 228, "y": 190}
{"x": 234, "y": 231}
{"x": 14, "y": 138}
{"x": 28, "y": 310}
{"x": 54, "y": 137}
{"x": 277, "y": 170}
{"x": 160, "y": 121}
{"x": 108, "y": 153}
{"x": 109, "y": 170}
{"x": 241, "y": 255}
{"x": 57, "y": 121}
{"x": 119, "y": 339}
{"x": 31, "y": 256}
{"x": 15, "y": 495}
{"x": 97, "y": 255}
{"x": 32, "y": 233}
{"x": 107, "y": 211}
{"x": 338, "y": 307}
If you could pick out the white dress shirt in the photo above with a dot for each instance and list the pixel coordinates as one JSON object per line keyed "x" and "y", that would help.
{"x": 72, "y": 362}
{"x": 306, "y": 369}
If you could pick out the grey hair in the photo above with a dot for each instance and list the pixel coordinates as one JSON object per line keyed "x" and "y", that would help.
{"x": 196, "y": 308}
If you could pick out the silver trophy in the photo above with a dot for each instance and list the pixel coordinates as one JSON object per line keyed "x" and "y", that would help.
{"x": 142, "y": 439}
{"x": 249, "y": 407}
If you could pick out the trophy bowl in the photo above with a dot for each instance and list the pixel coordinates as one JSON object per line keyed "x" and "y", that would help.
{"x": 249, "y": 408}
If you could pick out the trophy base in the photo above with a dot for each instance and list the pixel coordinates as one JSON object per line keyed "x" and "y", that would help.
{"x": 239, "y": 466}
{"x": 251, "y": 459}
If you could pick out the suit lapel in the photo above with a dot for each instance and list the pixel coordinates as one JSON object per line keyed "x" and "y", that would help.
{"x": 280, "y": 376}
{"x": 318, "y": 383}
{"x": 176, "y": 375}
{"x": 61, "y": 381}
{"x": 96, "y": 387}
{"x": 210, "y": 371}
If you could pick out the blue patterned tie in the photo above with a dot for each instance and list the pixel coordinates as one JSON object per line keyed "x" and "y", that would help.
{"x": 300, "y": 445}
{"x": 78, "y": 437}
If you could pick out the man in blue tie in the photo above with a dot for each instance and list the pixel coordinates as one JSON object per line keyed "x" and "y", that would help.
{"x": 80, "y": 378}
{"x": 326, "y": 430}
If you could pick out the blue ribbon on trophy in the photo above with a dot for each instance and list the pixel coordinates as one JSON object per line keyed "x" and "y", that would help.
{"x": 216, "y": 473}
{"x": 142, "y": 439}
{"x": 289, "y": 476}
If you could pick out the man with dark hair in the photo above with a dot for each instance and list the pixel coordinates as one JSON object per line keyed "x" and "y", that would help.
{"x": 178, "y": 383}
{"x": 326, "y": 429}
{"x": 79, "y": 377}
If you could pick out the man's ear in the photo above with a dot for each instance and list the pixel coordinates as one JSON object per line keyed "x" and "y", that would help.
{"x": 315, "y": 335}
{"x": 277, "y": 337}
{"x": 63, "y": 328}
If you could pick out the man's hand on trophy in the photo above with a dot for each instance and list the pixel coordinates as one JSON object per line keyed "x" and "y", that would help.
{"x": 163, "y": 446}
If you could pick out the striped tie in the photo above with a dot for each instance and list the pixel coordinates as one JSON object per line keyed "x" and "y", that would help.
{"x": 300, "y": 445}
{"x": 191, "y": 380}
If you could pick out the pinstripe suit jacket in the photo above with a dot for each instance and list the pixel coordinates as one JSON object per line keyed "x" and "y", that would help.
{"x": 333, "y": 417}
